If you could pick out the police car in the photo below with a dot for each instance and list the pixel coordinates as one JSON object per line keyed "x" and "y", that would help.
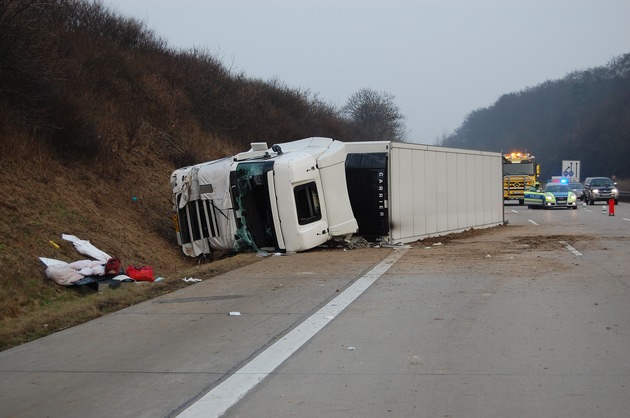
{"x": 554, "y": 195}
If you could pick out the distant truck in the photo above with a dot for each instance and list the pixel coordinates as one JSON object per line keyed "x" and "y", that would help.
{"x": 298, "y": 195}
{"x": 520, "y": 173}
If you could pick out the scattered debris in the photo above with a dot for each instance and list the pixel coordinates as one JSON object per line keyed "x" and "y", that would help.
{"x": 86, "y": 248}
{"x": 191, "y": 280}
{"x": 101, "y": 272}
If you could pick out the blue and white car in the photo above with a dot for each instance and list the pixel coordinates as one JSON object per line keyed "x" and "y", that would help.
{"x": 555, "y": 195}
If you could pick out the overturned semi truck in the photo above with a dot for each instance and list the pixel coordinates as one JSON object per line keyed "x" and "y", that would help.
{"x": 298, "y": 195}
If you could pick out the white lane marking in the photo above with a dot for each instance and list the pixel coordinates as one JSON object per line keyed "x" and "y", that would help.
{"x": 626, "y": 219}
{"x": 514, "y": 211}
{"x": 570, "y": 248}
{"x": 216, "y": 402}
{"x": 532, "y": 222}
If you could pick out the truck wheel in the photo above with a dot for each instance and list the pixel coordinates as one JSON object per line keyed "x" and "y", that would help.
{"x": 521, "y": 202}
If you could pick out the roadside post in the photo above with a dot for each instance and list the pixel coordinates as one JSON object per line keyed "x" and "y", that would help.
{"x": 611, "y": 207}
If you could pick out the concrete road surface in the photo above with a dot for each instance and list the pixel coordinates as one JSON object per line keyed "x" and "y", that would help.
{"x": 527, "y": 320}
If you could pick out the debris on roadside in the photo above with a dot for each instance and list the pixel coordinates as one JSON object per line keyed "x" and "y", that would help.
{"x": 99, "y": 272}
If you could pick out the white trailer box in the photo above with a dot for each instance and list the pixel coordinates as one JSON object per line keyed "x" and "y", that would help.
{"x": 422, "y": 190}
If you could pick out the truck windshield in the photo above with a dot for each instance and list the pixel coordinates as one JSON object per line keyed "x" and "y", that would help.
{"x": 250, "y": 190}
{"x": 522, "y": 169}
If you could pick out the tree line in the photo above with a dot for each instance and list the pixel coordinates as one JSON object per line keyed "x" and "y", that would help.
{"x": 81, "y": 80}
{"x": 584, "y": 116}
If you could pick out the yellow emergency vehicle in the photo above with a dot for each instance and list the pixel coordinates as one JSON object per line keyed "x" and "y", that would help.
{"x": 520, "y": 173}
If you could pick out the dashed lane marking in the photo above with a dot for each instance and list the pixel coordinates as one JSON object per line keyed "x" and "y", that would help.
{"x": 570, "y": 248}
{"x": 532, "y": 222}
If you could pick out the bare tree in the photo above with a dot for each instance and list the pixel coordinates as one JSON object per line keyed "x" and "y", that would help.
{"x": 375, "y": 116}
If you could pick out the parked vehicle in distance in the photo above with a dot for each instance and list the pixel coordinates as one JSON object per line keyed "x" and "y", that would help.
{"x": 578, "y": 189}
{"x": 554, "y": 195}
{"x": 600, "y": 189}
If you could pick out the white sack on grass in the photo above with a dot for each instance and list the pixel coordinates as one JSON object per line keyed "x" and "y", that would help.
{"x": 81, "y": 264}
{"x": 89, "y": 267}
{"x": 68, "y": 273}
{"x": 63, "y": 274}
{"x": 86, "y": 248}
{"x": 98, "y": 270}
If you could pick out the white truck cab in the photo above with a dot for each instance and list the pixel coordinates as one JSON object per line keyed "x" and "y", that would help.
{"x": 290, "y": 197}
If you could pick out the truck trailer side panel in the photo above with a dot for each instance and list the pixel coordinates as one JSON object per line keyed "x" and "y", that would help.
{"x": 436, "y": 191}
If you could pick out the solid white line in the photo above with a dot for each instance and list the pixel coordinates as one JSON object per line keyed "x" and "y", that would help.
{"x": 216, "y": 402}
{"x": 570, "y": 248}
{"x": 532, "y": 222}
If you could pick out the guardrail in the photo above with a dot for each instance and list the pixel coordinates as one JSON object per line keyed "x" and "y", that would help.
{"x": 624, "y": 196}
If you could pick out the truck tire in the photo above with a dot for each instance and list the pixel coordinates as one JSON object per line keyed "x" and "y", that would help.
{"x": 521, "y": 202}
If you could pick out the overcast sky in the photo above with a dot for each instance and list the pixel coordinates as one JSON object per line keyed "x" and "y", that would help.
{"x": 440, "y": 59}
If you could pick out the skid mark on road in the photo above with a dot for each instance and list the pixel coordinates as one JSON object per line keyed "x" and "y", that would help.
{"x": 216, "y": 402}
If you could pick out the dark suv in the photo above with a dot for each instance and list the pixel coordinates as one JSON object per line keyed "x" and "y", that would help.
{"x": 600, "y": 188}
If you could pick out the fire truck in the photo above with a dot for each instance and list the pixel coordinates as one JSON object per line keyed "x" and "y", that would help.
{"x": 520, "y": 172}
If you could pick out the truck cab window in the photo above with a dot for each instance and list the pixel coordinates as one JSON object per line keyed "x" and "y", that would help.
{"x": 307, "y": 202}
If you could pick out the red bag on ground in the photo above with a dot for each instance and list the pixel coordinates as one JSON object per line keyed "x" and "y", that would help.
{"x": 112, "y": 266}
{"x": 142, "y": 274}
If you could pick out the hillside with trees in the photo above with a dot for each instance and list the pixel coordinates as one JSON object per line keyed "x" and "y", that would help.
{"x": 96, "y": 112}
{"x": 584, "y": 116}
